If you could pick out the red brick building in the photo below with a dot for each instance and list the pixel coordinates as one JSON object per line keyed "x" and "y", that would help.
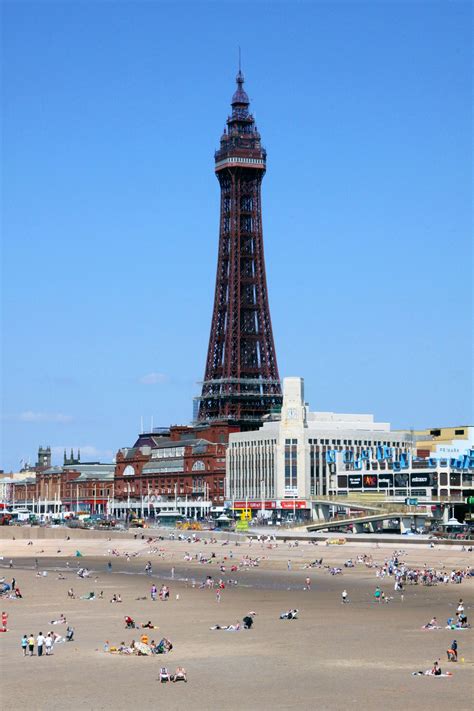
{"x": 182, "y": 462}
{"x": 81, "y": 487}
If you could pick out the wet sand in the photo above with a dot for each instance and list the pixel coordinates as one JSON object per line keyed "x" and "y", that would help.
{"x": 333, "y": 657}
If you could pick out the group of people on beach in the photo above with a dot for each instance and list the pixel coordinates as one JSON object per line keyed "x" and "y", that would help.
{"x": 393, "y": 566}
{"x": 163, "y": 594}
{"x": 10, "y": 590}
{"x": 144, "y": 647}
{"x": 43, "y": 642}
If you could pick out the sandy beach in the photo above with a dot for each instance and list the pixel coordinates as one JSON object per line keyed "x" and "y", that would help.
{"x": 334, "y": 656}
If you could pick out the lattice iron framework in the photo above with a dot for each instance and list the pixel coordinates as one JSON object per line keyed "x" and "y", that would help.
{"x": 241, "y": 382}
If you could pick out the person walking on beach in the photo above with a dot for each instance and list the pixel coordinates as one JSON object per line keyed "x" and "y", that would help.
{"x": 24, "y": 644}
{"x": 288, "y": 565}
{"x": 31, "y": 644}
{"x": 308, "y": 584}
{"x": 377, "y": 593}
{"x": 344, "y": 596}
{"x": 452, "y": 652}
{"x": 39, "y": 644}
{"x": 48, "y": 643}
{"x": 218, "y": 596}
{"x": 153, "y": 592}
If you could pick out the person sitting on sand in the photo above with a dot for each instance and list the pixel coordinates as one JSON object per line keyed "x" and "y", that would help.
{"x": 248, "y": 622}
{"x": 436, "y": 670}
{"x": 432, "y": 624}
{"x": 129, "y": 622}
{"x": 164, "y": 675}
{"x": 144, "y": 639}
{"x": 148, "y": 625}
{"x": 62, "y": 620}
{"x": 70, "y": 593}
{"x": 164, "y": 646}
{"x": 290, "y": 615}
{"x": 90, "y": 596}
{"x": 180, "y": 674}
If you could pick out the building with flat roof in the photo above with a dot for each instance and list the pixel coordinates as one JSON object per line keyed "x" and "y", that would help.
{"x": 300, "y": 456}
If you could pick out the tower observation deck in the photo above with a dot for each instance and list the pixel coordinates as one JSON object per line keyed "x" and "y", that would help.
{"x": 241, "y": 382}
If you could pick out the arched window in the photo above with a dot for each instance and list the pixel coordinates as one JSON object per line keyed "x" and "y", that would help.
{"x": 198, "y": 466}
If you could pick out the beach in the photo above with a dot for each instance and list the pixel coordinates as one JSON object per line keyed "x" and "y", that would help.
{"x": 333, "y": 656}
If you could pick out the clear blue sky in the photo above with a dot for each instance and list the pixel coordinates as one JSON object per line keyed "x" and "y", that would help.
{"x": 112, "y": 112}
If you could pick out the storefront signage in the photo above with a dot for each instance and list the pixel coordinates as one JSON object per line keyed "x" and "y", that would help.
{"x": 271, "y": 505}
{"x": 386, "y": 454}
{"x": 292, "y": 504}
{"x": 422, "y": 479}
{"x": 254, "y": 505}
{"x": 354, "y": 481}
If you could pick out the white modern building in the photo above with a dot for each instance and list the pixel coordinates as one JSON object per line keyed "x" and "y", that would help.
{"x": 299, "y": 456}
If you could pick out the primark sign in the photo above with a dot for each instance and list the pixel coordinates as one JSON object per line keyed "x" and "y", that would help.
{"x": 385, "y": 454}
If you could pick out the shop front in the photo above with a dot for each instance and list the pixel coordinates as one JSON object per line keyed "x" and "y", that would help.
{"x": 274, "y": 511}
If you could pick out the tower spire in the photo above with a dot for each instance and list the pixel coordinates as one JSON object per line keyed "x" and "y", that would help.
{"x": 240, "y": 100}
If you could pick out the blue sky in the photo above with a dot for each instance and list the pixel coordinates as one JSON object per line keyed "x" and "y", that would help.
{"x": 111, "y": 115}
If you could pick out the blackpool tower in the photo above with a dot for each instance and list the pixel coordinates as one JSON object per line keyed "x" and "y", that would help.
{"x": 241, "y": 382}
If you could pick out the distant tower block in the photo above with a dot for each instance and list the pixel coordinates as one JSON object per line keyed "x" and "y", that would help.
{"x": 241, "y": 382}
